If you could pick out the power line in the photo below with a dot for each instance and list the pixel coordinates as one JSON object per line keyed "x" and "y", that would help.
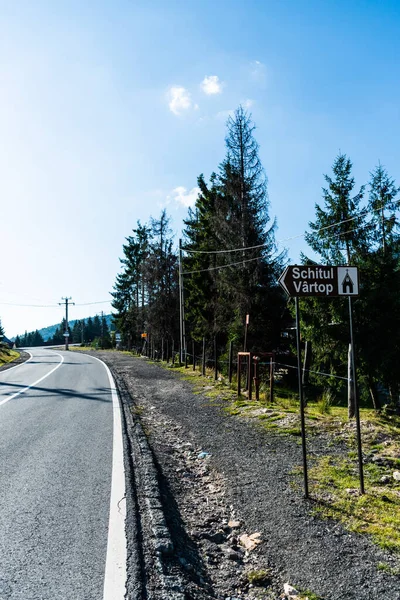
{"x": 359, "y": 216}
{"x": 223, "y": 266}
{"x": 29, "y": 305}
{"x": 247, "y": 260}
{"x": 51, "y": 305}
{"x": 90, "y": 303}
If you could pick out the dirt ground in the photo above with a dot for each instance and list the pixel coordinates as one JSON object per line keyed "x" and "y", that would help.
{"x": 240, "y": 524}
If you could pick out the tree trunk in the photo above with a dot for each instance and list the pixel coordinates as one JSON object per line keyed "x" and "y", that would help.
{"x": 306, "y": 363}
{"x": 374, "y": 393}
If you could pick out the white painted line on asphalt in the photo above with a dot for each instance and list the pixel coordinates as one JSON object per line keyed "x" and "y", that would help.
{"x": 25, "y": 389}
{"x": 115, "y": 571}
{"x": 20, "y": 364}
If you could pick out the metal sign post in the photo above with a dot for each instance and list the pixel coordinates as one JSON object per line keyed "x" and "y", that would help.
{"x": 246, "y": 328}
{"x": 301, "y": 396}
{"x": 328, "y": 281}
{"x": 356, "y": 406}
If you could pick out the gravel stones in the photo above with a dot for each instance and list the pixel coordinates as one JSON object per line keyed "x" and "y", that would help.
{"x": 247, "y": 478}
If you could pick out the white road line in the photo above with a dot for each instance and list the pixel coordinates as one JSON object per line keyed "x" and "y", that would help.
{"x": 34, "y": 383}
{"x": 115, "y": 571}
{"x": 20, "y": 364}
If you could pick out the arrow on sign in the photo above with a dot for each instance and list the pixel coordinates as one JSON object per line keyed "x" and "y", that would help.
{"x": 281, "y": 280}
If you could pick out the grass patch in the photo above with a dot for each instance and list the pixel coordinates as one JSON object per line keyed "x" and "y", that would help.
{"x": 307, "y": 595}
{"x": 382, "y": 566}
{"x": 8, "y": 356}
{"x": 261, "y": 578}
{"x": 335, "y": 484}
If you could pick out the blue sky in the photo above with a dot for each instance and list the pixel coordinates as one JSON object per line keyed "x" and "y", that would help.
{"x": 110, "y": 110}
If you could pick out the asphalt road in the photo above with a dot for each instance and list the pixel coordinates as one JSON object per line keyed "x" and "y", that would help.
{"x": 56, "y": 475}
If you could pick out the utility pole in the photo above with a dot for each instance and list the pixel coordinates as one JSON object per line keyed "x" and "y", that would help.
{"x": 102, "y": 330}
{"x": 181, "y": 308}
{"x": 66, "y": 333}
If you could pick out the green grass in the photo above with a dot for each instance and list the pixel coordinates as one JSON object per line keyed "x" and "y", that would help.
{"x": 382, "y": 566}
{"x": 261, "y": 578}
{"x": 335, "y": 487}
{"x": 8, "y": 356}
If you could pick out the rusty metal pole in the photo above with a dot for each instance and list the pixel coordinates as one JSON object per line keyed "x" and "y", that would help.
{"x": 271, "y": 380}
{"x": 230, "y": 362}
{"x": 256, "y": 377}
{"x": 239, "y": 365}
{"x": 249, "y": 375}
{"x": 215, "y": 359}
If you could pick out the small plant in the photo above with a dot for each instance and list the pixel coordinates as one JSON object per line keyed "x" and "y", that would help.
{"x": 261, "y": 578}
{"x": 382, "y": 566}
{"x": 309, "y": 596}
{"x": 325, "y": 402}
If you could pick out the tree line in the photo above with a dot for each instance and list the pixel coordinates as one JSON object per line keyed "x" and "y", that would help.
{"x": 231, "y": 264}
{"x": 93, "y": 330}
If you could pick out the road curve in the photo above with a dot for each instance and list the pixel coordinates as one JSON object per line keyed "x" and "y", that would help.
{"x": 56, "y": 449}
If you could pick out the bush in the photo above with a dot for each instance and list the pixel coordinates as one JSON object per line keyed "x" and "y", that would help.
{"x": 325, "y": 402}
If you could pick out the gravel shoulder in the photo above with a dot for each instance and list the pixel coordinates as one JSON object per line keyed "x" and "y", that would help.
{"x": 222, "y": 477}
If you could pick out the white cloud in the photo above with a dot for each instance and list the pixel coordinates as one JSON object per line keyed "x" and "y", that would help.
{"x": 248, "y": 103}
{"x": 179, "y": 100}
{"x": 258, "y": 72}
{"x": 211, "y": 85}
{"x": 223, "y": 115}
{"x": 182, "y": 196}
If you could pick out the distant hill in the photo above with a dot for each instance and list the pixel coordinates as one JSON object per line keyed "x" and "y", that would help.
{"x": 48, "y": 332}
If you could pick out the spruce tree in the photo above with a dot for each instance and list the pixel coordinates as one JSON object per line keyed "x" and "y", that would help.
{"x": 202, "y": 298}
{"x": 230, "y": 217}
{"x": 251, "y": 285}
{"x": 161, "y": 281}
{"x": 340, "y": 225}
{"x": 383, "y": 207}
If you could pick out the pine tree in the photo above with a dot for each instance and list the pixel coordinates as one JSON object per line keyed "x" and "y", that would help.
{"x": 201, "y": 283}
{"x": 343, "y": 234}
{"x": 161, "y": 281}
{"x": 339, "y": 227}
{"x": 89, "y": 331}
{"x": 129, "y": 292}
{"x": 232, "y": 214}
{"x": 383, "y": 207}
{"x": 105, "y": 331}
{"x": 37, "y": 339}
{"x": 96, "y": 327}
{"x": 146, "y": 291}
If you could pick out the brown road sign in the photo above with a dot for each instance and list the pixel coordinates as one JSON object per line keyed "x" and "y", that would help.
{"x": 320, "y": 280}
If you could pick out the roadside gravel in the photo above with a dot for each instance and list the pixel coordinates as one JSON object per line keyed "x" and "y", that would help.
{"x": 222, "y": 477}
